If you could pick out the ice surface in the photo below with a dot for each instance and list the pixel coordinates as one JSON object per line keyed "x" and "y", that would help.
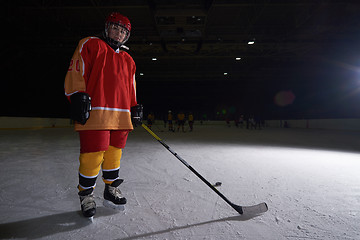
{"x": 310, "y": 180}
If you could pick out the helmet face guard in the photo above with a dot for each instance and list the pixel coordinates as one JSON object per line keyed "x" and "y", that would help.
{"x": 116, "y": 18}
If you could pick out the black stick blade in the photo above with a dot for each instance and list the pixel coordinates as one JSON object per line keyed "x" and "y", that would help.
{"x": 238, "y": 208}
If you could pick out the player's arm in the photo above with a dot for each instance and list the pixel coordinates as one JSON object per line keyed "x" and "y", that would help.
{"x": 75, "y": 87}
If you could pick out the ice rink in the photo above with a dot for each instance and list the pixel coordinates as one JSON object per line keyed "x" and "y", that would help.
{"x": 309, "y": 178}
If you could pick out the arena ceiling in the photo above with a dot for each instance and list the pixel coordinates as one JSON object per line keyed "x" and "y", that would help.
{"x": 202, "y": 49}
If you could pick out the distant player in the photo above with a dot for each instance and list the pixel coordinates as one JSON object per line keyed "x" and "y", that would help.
{"x": 170, "y": 121}
{"x": 181, "y": 121}
{"x": 191, "y": 121}
{"x": 101, "y": 79}
{"x": 150, "y": 119}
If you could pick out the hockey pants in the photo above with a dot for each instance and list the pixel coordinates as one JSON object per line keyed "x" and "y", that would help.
{"x": 97, "y": 152}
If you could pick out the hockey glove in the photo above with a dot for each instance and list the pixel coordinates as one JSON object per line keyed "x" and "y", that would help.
{"x": 80, "y": 107}
{"x": 137, "y": 114}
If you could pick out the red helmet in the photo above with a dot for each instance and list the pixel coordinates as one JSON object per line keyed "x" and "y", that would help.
{"x": 118, "y": 19}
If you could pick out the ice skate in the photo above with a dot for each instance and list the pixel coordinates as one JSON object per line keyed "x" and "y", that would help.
{"x": 113, "y": 197}
{"x": 88, "y": 205}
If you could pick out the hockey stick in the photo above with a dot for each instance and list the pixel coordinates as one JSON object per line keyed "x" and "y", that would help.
{"x": 255, "y": 209}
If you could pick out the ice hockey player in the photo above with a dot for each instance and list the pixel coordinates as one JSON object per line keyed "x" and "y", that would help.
{"x": 101, "y": 79}
{"x": 181, "y": 121}
{"x": 170, "y": 121}
{"x": 150, "y": 119}
{"x": 191, "y": 121}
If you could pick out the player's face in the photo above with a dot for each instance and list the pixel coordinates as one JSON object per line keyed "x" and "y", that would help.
{"x": 117, "y": 33}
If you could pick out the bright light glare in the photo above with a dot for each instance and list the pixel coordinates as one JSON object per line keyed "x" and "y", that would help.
{"x": 303, "y": 160}
{"x": 238, "y": 59}
{"x": 251, "y": 42}
{"x": 154, "y": 59}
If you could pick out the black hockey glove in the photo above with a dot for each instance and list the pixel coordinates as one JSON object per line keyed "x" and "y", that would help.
{"x": 137, "y": 114}
{"x": 80, "y": 107}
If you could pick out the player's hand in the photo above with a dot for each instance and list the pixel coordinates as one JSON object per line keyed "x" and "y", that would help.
{"x": 137, "y": 114}
{"x": 80, "y": 107}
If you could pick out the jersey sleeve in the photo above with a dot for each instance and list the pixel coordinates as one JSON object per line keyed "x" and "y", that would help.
{"x": 133, "y": 100}
{"x": 75, "y": 76}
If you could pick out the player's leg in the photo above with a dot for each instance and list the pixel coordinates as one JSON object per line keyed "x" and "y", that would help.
{"x": 92, "y": 147}
{"x": 111, "y": 167}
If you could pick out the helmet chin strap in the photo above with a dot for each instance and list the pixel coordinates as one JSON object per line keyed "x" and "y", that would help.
{"x": 113, "y": 44}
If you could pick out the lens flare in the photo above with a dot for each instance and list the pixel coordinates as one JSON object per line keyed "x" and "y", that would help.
{"x": 284, "y": 98}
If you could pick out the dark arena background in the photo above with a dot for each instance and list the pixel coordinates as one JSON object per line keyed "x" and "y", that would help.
{"x": 274, "y": 88}
{"x": 276, "y": 59}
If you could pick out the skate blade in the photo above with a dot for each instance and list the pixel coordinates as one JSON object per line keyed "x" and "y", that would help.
{"x": 109, "y": 204}
{"x": 91, "y": 219}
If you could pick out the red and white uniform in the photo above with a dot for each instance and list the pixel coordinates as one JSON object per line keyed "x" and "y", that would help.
{"x": 108, "y": 77}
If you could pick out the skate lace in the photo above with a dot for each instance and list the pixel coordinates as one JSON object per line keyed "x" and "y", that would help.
{"x": 88, "y": 202}
{"x": 115, "y": 192}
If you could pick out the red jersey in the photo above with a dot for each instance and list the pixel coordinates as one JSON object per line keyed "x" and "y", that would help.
{"x": 108, "y": 77}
